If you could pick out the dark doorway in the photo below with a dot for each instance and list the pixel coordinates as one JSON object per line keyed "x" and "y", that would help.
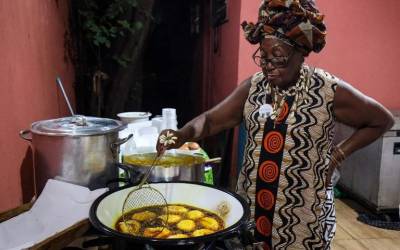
{"x": 172, "y": 64}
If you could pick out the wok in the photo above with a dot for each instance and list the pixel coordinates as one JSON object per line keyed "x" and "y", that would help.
{"x": 107, "y": 208}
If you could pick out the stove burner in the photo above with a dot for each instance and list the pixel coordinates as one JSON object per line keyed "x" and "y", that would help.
{"x": 106, "y": 241}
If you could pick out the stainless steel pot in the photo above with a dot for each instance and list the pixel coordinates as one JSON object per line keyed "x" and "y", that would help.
{"x": 171, "y": 166}
{"x": 77, "y": 149}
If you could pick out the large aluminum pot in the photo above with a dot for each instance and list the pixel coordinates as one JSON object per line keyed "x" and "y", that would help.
{"x": 77, "y": 149}
{"x": 171, "y": 166}
{"x": 107, "y": 209}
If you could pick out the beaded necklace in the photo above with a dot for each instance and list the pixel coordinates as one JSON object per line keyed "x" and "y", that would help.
{"x": 297, "y": 90}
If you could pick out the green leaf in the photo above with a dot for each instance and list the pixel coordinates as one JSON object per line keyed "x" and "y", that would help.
{"x": 138, "y": 25}
{"x": 107, "y": 43}
{"x": 125, "y": 24}
{"x": 132, "y": 3}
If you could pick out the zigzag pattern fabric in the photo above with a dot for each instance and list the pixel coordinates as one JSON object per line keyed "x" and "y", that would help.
{"x": 303, "y": 209}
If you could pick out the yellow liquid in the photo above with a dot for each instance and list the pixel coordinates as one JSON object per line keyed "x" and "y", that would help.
{"x": 145, "y": 160}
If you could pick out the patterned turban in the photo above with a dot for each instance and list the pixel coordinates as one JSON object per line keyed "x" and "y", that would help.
{"x": 297, "y": 21}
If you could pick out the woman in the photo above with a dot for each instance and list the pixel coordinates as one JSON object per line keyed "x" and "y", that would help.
{"x": 290, "y": 110}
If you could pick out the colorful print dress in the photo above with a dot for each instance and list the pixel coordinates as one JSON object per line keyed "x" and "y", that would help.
{"x": 285, "y": 164}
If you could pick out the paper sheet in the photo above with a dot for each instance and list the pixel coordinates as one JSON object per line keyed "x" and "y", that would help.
{"x": 58, "y": 207}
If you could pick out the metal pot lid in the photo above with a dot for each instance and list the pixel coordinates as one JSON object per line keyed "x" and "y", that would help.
{"x": 77, "y": 125}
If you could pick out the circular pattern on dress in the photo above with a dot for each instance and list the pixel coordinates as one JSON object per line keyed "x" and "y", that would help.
{"x": 263, "y": 226}
{"x": 268, "y": 171}
{"x": 273, "y": 142}
{"x": 265, "y": 199}
{"x": 283, "y": 113}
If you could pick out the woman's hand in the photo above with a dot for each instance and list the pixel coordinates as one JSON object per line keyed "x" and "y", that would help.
{"x": 337, "y": 157}
{"x": 329, "y": 174}
{"x": 169, "y": 139}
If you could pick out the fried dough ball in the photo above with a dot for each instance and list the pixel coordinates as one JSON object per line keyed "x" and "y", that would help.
{"x": 195, "y": 214}
{"x": 156, "y": 232}
{"x": 129, "y": 227}
{"x": 171, "y": 218}
{"x": 186, "y": 225}
{"x": 144, "y": 216}
{"x": 175, "y": 209}
{"x": 178, "y": 236}
{"x": 164, "y": 233}
{"x": 202, "y": 232}
{"x": 209, "y": 223}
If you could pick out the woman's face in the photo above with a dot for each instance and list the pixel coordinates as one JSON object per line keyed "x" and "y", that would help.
{"x": 280, "y": 62}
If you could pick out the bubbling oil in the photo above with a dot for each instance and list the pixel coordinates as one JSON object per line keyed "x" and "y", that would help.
{"x": 182, "y": 221}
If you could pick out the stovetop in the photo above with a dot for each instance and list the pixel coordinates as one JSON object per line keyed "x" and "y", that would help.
{"x": 113, "y": 243}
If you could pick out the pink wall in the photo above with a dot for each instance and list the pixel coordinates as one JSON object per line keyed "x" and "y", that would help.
{"x": 32, "y": 54}
{"x": 362, "y": 46}
{"x": 223, "y": 55}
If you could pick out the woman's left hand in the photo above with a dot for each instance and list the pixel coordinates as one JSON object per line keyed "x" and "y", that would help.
{"x": 337, "y": 157}
{"x": 329, "y": 174}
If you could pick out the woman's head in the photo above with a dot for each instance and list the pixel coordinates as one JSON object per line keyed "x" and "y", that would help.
{"x": 296, "y": 21}
{"x": 280, "y": 61}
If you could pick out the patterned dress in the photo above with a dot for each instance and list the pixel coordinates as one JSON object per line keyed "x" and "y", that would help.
{"x": 285, "y": 164}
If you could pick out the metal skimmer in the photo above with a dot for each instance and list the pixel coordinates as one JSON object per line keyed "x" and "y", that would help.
{"x": 146, "y": 196}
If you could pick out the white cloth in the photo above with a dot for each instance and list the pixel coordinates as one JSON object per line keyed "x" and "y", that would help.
{"x": 58, "y": 207}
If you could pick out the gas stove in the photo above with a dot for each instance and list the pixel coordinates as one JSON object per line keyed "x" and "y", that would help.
{"x": 105, "y": 242}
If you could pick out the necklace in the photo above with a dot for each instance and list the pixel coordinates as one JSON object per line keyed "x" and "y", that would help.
{"x": 273, "y": 111}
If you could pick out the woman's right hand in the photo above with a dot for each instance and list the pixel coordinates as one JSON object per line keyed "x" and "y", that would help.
{"x": 169, "y": 139}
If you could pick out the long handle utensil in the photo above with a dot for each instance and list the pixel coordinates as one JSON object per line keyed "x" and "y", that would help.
{"x": 58, "y": 80}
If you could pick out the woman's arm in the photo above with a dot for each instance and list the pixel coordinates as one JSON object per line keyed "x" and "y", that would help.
{"x": 224, "y": 115}
{"x": 367, "y": 116}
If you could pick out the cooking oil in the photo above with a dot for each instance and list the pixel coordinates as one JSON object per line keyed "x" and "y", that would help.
{"x": 167, "y": 160}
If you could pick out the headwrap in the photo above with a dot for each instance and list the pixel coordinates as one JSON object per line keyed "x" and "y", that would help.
{"x": 296, "y": 21}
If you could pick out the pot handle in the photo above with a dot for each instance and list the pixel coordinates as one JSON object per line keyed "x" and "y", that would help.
{"x": 133, "y": 177}
{"x": 214, "y": 160}
{"x": 115, "y": 145}
{"x": 24, "y": 135}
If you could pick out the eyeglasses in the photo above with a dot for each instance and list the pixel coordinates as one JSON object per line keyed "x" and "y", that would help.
{"x": 277, "y": 62}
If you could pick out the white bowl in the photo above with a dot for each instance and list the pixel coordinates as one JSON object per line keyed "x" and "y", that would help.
{"x": 132, "y": 117}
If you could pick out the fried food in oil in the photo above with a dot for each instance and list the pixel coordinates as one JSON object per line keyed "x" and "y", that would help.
{"x": 202, "y": 232}
{"x": 171, "y": 218}
{"x": 175, "y": 209}
{"x": 164, "y": 233}
{"x": 144, "y": 216}
{"x": 129, "y": 227}
{"x": 186, "y": 225}
{"x": 173, "y": 221}
{"x": 178, "y": 236}
{"x": 156, "y": 232}
{"x": 195, "y": 214}
{"x": 209, "y": 223}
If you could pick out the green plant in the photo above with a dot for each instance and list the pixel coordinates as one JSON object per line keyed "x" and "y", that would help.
{"x": 103, "y": 22}
{"x": 106, "y": 44}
